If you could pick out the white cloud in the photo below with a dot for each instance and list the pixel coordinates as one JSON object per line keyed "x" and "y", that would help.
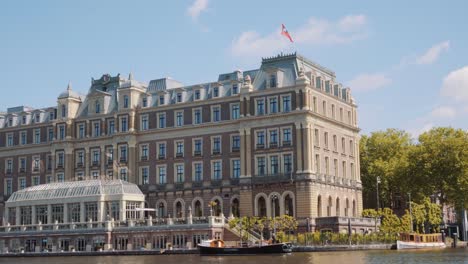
{"x": 197, "y": 8}
{"x": 415, "y": 132}
{"x": 443, "y": 112}
{"x": 455, "y": 85}
{"x": 367, "y": 82}
{"x": 432, "y": 54}
{"x": 314, "y": 32}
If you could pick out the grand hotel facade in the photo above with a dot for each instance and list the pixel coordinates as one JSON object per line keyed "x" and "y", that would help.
{"x": 281, "y": 139}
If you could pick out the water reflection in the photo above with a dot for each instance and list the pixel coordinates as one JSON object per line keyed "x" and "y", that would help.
{"x": 367, "y": 257}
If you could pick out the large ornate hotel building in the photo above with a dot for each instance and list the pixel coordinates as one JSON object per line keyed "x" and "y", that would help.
{"x": 281, "y": 139}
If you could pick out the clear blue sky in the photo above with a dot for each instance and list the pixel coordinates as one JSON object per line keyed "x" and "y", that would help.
{"x": 405, "y": 61}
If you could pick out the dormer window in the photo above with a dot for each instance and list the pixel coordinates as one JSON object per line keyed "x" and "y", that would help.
{"x": 51, "y": 115}
{"x": 235, "y": 89}
{"x": 197, "y": 95}
{"x": 125, "y": 102}
{"x": 37, "y": 118}
{"x": 10, "y": 122}
{"x": 216, "y": 92}
{"x": 273, "y": 80}
{"x": 144, "y": 102}
{"x": 98, "y": 107}
{"x": 64, "y": 112}
{"x": 179, "y": 97}
{"x": 161, "y": 100}
{"x": 24, "y": 120}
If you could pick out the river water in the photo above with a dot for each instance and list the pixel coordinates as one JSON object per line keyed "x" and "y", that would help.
{"x": 446, "y": 256}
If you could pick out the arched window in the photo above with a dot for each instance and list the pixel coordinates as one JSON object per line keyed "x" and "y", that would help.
{"x": 338, "y": 206}
{"x": 235, "y": 207}
{"x": 288, "y": 205}
{"x": 329, "y": 206}
{"x": 354, "y": 208}
{"x": 261, "y": 205}
{"x": 216, "y": 207}
{"x": 319, "y": 206}
{"x": 98, "y": 107}
{"x": 198, "y": 209}
{"x": 161, "y": 210}
{"x": 178, "y": 212}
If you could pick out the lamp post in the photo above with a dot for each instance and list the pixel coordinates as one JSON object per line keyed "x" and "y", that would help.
{"x": 273, "y": 200}
{"x": 410, "y": 212}
{"x": 377, "y": 188}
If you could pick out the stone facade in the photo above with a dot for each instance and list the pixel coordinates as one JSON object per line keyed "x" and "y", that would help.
{"x": 281, "y": 139}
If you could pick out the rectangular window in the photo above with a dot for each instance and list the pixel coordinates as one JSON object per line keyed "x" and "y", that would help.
{"x": 325, "y": 139}
{"x": 144, "y": 175}
{"x": 273, "y": 105}
{"x": 179, "y": 149}
{"x": 335, "y": 167}
{"x": 344, "y": 169}
{"x": 216, "y": 148}
{"x": 123, "y": 124}
{"x": 236, "y": 168}
{"x": 343, "y": 145}
{"x": 261, "y": 166}
{"x": 162, "y": 120}
{"x": 273, "y": 80}
{"x": 144, "y": 152}
{"x": 23, "y": 138}
{"x": 60, "y": 177}
{"x": 260, "y": 139}
{"x": 287, "y": 163}
{"x": 351, "y": 167}
{"x": 334, "y": 143}
{"x": 37, "y": 136}
{"x": 179, "y": 97}
{"x": 162, "y": 174}
{"x": 23, "y": 120}
{"x": 317, "y": 163}
{"x": 341, "y": 114}
{"x": 274, "y": 168}
{"x": 8, "y": 187}
{"x": 123, "y": 153}
{"x": 351, "y": 148}
{"x": 287, "y": 136}
{"x": 162, "y": 150}
{"x": 349, "y": 117}
{"x": 235, "y": 143}
{"x": 144, "y": 102}
{"x": 9, "y": 140}
{"x": 197, "y": 95}
{"x": 111, "y": 127}
{"x": 9, "y": 166}
{"x": 81, "y": 131}
{"x": 216, "y": 170}
{"x": 36, "y": 164}
{"x": 96, "y": 157}
{"x": 235, "y": 111}
{"x": 22, "y": 183}
{"x": 333, "y": 111}
{"x": 62, "y": 132}
{"x": 95, "y": 175}
{"x": 197, "y": 116}
{"x": 22, "y": 163}
{"x": 327, "y": 166}
{"x": 260, "y": 107}
{"x": 110, "y": 155}
{"x": 123, "y": 174}
{"x": 179, "y": 118}
{"x": 324, "y": 108}
{"x": 286, "y": 103}
{"x": 216, "y": 92}
{"x": 144, "y": 122}
{"x": 60, "y": 160}
{"x": 198, "y": 172}
{"x": 316, "y": 138}
{"x": 125, "y": 101}
{"x": 273, "y": 138}
{"x": 161, "y": 100}
{"x": 216, "y": 114}
{"x": 97, "y": 129}
{"x": 197, "y": 147}
{"x": 179, "y": 173}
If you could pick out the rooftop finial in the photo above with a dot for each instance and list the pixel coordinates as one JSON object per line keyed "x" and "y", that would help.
{"x": 130, "y": 76}
{"x": 69, "y": 87}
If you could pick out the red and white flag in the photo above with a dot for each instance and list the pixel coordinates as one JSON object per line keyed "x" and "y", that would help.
{"x": 285, "y": 32}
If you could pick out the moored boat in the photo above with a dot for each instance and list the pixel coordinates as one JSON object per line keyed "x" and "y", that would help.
{"x": 218, "y": 247}
{"x": 419, "y": 241}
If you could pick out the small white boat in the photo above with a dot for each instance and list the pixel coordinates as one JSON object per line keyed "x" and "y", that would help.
{"x": 420, "y": 241}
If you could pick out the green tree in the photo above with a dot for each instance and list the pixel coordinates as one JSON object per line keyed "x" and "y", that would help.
{"x": 384, "y": 154}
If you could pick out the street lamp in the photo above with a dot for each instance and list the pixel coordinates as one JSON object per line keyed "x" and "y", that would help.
{"x": 377, "y": 187}
{"x": 273, "y": 200}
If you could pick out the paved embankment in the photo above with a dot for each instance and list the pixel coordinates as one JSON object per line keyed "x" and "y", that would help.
{"x": 103, "y": 253}
{"x": 342, "y": 247}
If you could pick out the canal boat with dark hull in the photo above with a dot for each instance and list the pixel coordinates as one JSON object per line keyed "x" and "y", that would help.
{"x": 217, "y": 247}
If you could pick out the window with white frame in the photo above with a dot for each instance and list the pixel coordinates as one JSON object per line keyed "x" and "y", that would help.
{"x": 60, "y": 177}
{"x": 35, "y": 180}
{"x": 273, "y": 105}
{"x": 144, "y": 101}
{"x": 110, "y": 155}
{"x": 235, "y": 111}
{"x": 235, "y": 168}
{"x": 37, "y": 136}
{"x": 144, "y": 122}
{"x": 261, "y": 166}
{"x": 287, "y": 163}
{"x": 351, "y": 168}
{"x": 61, "y": 132}
{"x": 162, "y": 150}
{"x": 274, "y": 166}
{"x": 111, "y": 127}
{"x": 272, "y": 80}
{"x": 179, "y": 148}
{"x": 216, "y": 145}
{"x": 144, "y": 152}
{"x": 144, "y": 178}
{"x": 286, "y": 103}
{"x": 197, "y": 146}
{"x": 50, "y": 132}
{"x": 36, "y": 164}
{"x": 343, "y": 145}
{"x": 179, "y": 116}
{"x": 235, "y": 89}
{"x": 123, "y": 174}
{"x": 123, "y": 124}
{"x": 325, "y": 139}
{"x": 80, "y": 158}
{"x": 96, "y": 157}
{"x": 215, "y": 113}
{"x": 197, "y": 95}
{"x": 161, "y": 120}
{"x": 273, "y": 134}
{"x": 316, "y": 138}
{"x": 60, "y": 159}
{"x": 198, "y": 171}
{"x": 9, "y": 166}
{"x": 22, "y": 164}
{"x": 9, "y": 139}
{"x": 8, "y": 187}
{"x": 179, "y": 97}
{"x": 235, "y": 143}
{"x": 21, "y": 183}
{"x": 197, "y": 116}
{"x": 260, "y": 110}
{"x": 95, "y": 175}
{"x": 216, "y": 165}
{"x": 97, "y": 107}
{"x": 351, "y": 148}
{"x": 333, "y": 111}
{"x": 344, "y": 168}
{"x": 260, "y": 139}
{"x": 161, "y": 100}
{"x": 215, "y": 92}
{"x": 23, "y": 138}
{"x": 123, "y": 153}
{"x": 335, "y": 167}
{"x": 125, "y": 101}
{"x": 97, "y": 129}
{"x": 287, "y": 136}
{"x": 179, "y": 173}
{"x": 161, "y": 170}
{"x": 327, "y": 165}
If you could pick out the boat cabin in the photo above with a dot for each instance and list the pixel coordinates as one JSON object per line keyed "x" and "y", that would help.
{"x": 421, "y": 238}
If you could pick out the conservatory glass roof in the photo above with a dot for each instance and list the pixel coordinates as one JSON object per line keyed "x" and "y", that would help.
{"x": 60, "y": 190}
